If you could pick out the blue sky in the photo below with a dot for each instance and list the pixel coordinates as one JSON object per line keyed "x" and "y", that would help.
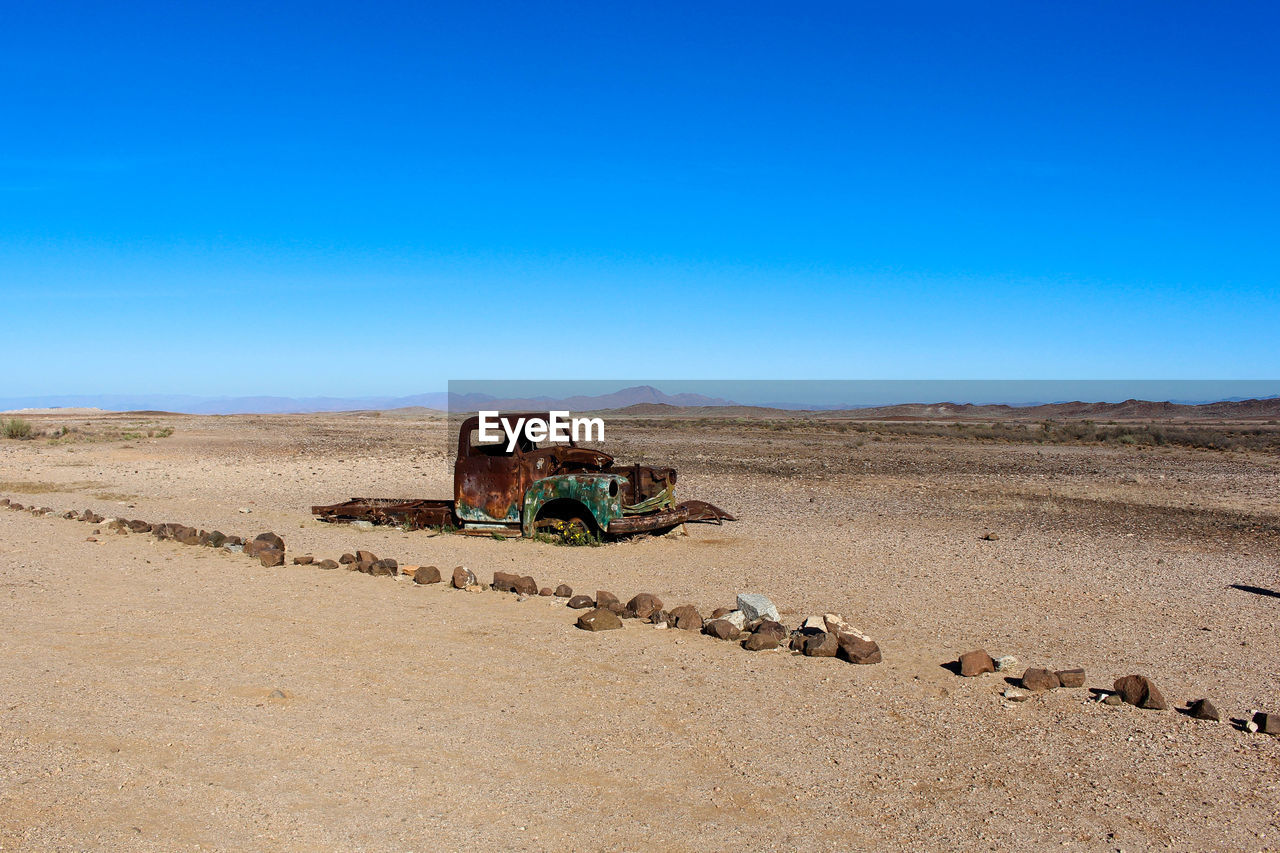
{"x": 357, "y": 199}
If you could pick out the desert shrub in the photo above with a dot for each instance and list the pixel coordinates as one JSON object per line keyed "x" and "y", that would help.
{"x": 15, "y": 428}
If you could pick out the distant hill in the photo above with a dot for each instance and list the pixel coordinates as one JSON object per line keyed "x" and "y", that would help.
{"x": 1127, "y": 410}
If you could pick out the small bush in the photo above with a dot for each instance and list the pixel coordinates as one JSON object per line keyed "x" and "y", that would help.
{"x": 15, "y": 428}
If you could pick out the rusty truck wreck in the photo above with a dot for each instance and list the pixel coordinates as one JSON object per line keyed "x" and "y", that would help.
{"x": 558, "y": 488}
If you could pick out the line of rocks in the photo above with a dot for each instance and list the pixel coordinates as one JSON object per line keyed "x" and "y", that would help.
{"x": 1136, "y": 690}
{"x": 754, "y": 623}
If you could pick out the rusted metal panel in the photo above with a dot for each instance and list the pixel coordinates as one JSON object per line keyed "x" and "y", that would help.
{"x": 599, "y": 494}
{"x": 416, "y": 513}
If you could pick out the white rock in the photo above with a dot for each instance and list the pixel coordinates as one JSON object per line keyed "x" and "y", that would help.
{"x": 737, "y": 618}
{"x": 756, "y": 606}
{"x": 245, "y": 509}
{"x": 1251, "y": 726}
{"x": 361, "y": 524}
{"x": 1006, "y": 662}
{"x": 814, "y": 622}
{"x": 1013, "y": 694}
{"x": 835, "y": 624}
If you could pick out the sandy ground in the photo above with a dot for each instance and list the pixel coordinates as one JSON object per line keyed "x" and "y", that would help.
{"x": 136, "y": 708}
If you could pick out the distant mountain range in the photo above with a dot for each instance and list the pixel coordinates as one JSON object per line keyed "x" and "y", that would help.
{"x": 440, "y": 401}
{"x": 643, "y": 401}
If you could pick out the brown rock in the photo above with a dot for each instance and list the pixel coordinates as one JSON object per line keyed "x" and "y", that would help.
{"x": 216, "y": 539}
{"x": 856, "y": 649}
{"x": 975, "y": 663}
{"x": 721, "y": 611}
{"x": 1112, "y": 699}
{"x": 504, "y": 581}
{"x": 564, "y": 591}
{"x": 1203, "y": 709}
{"x": 773, "y": 629}
{"x": 605, "y": 598}
{"x": 191, "y": 536}
{"x": 642, "y": 606}
{"x": 427, "y": 574}
{"x": 760, "y": 642}
{"x": 463, "y": 577}
{"x": 581, "y": 602}
{"x": 273, "y": 540}
{"x": 347, "y": 559}
{"x": 1268, "y": 724}
{"x": 234, "y": 540}
{"x": 599, "y": 619}
{"x": 367, "y": 557}
{"x": 525, "y": 586}
{"x": 1071, "y": 677}
{"x": 327, "y": 564}
{"x": 384, "y": 568}
{"x": 721, "y": 629}
{"x": 1038, "y": 680}
{"x": 1138, "y": 690}
{"x": 271, "y": 557}
{"x": 820, "y": 644}
{"x": 685, "y": 616}
{"x": 546, "y": 592}
{"x": 304, "y": 560}
{"x": 139, "y": 527}
{"x": 659, "y": 617}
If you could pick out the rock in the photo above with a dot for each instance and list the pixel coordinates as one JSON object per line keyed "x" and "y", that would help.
{"x": 139, "y": 527}
{"x": 1138, "y": 690}
{"x": 304, "y": 560}
{"x": 216, "y": 539}
{"x": 761, "y": 642}
{"x": 599, "y": 619}
{"x": 738, "y": 619}
{"x": 975, "y": 663}
{"x": 1004, "y": 663}
{"x": 191, "y": 536}
{"x": 526, "y": 586}
{"x": 661, "y": 618}
{"x": 1071, "y": 677}
{"x": 327, "y": 564}
{"x": 858, "y": 649}
{"x": 581, "y": 602}
{"x": 990, "y": 537}
{"x": 347, "y": 559}
{"x": 504, "y": 581}
{"x": 564, "y": 591}
{"x": 463, "y": 577}
{"x": 773, "y": 629}
{"x": 276, "y": 694}
{"x": 235, "y": 541}
{"x": 362, "y": 524}
{"x": 384, "y": 568}
{"x": 605, "y": 598}
{"x": 366, "y": 557}
{"x": 837, "y": 625}
{"x": 756, "y": 606}
{"x": 1037, "y": 680}
{"x": 245, "y": 510}
{"x": 1013, "y": 694}
{"x": 616, "y": 607}
{"x": 1268, "y": 724}
{"x": 814, "y": 623}
{"x": 643, "y": 605}
{"x": 1111, "y": 699}
{"x": 721, "y": 611}
{"x": 546, "y": 592}
{"x": 685, "y": 616}
{"x": 427, "y": 574}
{"x": 273, "y": 540}
{"x": 271, "y": 557}
{"x": 1251, "y": 727}
{"x": 820, "y": 644}
{"x": 1203, "y": 709}
{"x": 721, "y": 629}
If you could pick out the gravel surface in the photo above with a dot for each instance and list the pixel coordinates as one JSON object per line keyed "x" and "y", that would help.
{"x": 136, "y": 706}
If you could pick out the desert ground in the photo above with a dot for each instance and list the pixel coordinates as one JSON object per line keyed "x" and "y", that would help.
{"x": 156, "y": 696}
